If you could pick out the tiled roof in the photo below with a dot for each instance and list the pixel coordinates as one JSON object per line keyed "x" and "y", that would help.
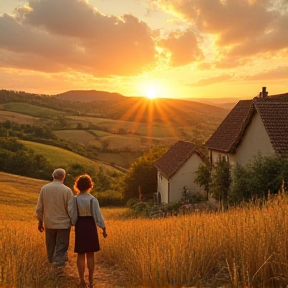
{"x": 175, "y": 157}
{"x": 229, "y": 132}
{"x": 274, "y": 114}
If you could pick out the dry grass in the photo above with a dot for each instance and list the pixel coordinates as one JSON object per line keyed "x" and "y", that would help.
{"x": 244, "y": 247}
{"x": 17, "y": 117}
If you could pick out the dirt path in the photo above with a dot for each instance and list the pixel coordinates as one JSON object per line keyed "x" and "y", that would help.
{"x": 104, "y": 276}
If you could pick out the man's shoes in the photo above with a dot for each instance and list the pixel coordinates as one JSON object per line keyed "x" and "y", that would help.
{"x": 58, "y": 264}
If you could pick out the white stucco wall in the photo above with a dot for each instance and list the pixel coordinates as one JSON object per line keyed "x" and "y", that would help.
{"x": 162, "y": 187}
{"x": 254, "y": 140}
{"x": 185, "y": 176}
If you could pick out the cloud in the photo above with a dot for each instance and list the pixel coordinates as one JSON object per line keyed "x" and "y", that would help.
{"x": 181, "y": 48}
{"x": 240, "y": 28}
{"x": 52, "y": 35}
{"x": 279, "y": 73}
{"x": 212, "y": 80}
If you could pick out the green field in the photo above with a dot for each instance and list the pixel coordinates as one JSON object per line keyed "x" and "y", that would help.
{"x": 32, "y": 110}
{"x": 115, "y": 142}
{"x": 61, "y": 157}
{"x": 142, "y": 129}
{"x": 81, "y": 137}
{"x": 18, "y": 118}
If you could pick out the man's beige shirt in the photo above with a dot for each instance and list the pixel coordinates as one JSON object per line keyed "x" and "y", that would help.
{"x": 54, "y": 205}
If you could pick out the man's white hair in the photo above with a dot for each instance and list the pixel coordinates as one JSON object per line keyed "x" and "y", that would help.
{"x": 59, "y": 174}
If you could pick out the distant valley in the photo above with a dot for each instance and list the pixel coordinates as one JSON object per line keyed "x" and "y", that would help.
{"x": 110, "y": 127}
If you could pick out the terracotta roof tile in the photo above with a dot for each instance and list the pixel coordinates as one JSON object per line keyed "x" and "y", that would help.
{"x": 274, "y": 115}
{"x": 175, "y": 157}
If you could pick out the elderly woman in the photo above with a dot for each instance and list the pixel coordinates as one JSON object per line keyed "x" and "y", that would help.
{"x": 86, "y": 215}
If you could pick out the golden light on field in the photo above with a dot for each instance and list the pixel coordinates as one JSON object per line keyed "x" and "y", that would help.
{"x": 240, "y": 247}
{"x": 146, "y": 114}
{"x": 152, "y": 113}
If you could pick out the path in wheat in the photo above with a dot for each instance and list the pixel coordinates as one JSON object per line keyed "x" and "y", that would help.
{"x": 105, "y": 276}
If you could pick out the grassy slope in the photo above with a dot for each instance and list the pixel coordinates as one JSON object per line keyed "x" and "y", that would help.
{"x": 61, "y": 157}
{"x": 32, "y": 110}
{"x": 79, "y": 136}
{"x": 18, "y": 118}
{"x": 18, "y": 197}
{"x": 116, "y": 142}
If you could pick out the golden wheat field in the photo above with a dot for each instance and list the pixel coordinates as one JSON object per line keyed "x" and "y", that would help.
{"x": 244, "y": 247}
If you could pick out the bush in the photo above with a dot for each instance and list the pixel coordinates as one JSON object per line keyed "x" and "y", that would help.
{"x": 259, "y": 177}
{"x": 109, "y": 198}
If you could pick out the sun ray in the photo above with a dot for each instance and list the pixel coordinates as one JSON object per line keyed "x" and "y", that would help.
{"x": 139, "y": 115}
{"x": 149, "y": 115}
{"x": 127, "y": 116}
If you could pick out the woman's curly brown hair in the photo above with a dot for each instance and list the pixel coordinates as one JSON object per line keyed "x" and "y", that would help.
{"x": 83, "y": 183}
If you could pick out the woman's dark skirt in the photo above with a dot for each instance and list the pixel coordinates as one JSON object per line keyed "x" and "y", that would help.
{"x": 86, "y": 236}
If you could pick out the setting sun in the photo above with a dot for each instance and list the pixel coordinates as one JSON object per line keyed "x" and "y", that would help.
{"x": 151, "y": 89}
{"x": 151, "y": 93}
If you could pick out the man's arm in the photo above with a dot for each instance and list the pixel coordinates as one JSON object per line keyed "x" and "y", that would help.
{"x": 72, "y": 209}
{"x": 39, "y": 212}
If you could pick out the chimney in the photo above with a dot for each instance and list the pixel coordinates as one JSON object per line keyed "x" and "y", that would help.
{"x": 263, "y": 93}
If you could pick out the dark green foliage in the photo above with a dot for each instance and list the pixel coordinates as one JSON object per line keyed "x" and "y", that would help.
{"x": 75, "y": 169}
{"x": 104, "y": 181}
{"x": 141, "y": 178}
{"x": 109, "y": 198}
{"x": 203, "y": 177}
{"x": 261, "y": 176}
{"x": 220, "y": 181}
{"x": 17, "y": 159}
{"x": 240, "y": 190}
{"x": 40, "y": 134}
{"x": 11, "y": 144}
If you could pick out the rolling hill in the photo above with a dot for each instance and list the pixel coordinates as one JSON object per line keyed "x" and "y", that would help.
{"x": 89, "y": 96}
{"x": 18, "y": 197}
{"x": 131, "y": 124}
{"x": 60, "y": 157}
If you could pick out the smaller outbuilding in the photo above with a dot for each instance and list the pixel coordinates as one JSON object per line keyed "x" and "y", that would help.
{"x": 176, "y": 172}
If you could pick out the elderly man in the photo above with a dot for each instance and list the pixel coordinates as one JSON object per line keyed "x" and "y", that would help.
{"x": 53, "y": 208}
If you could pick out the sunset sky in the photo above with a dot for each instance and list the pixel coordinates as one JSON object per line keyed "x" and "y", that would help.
{"x": 164, "y": 48}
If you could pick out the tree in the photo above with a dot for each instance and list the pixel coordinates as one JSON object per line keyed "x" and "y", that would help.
{"x": 75, "y": 169}
{"x": 11, "y": 144}
{"x": 203, "y": 177}
{"x": 220, "y": 181}
{"x": 142, "y": 175}
{"x": 104, "y": 182}
{"x": 240, "y": 188}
